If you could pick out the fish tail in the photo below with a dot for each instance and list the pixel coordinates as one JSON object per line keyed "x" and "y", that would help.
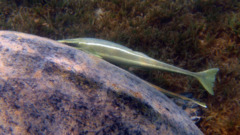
{"x": 207, "y": 79}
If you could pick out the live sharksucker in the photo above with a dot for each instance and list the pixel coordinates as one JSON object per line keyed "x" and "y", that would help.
{"x": 116, "y": 53}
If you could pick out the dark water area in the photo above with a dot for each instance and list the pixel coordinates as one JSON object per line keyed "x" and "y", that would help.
{"x": 192, "y": 34}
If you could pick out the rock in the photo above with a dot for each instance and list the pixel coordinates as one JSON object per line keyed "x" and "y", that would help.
{"x": 50, "y": 88}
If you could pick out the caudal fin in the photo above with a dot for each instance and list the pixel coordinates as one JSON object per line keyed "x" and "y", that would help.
{"x": 207, "y": 79}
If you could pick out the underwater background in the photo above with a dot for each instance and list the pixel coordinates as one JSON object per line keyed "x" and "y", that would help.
{"x": 191, "y": 34}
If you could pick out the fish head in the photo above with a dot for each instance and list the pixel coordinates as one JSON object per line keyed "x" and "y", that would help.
{"x": 75, "y": 42}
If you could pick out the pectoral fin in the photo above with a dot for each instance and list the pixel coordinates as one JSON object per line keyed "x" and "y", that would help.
{"x": 97, "y": 55}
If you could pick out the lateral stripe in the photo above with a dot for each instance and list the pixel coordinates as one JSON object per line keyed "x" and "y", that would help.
{"x": 112, "y": 47}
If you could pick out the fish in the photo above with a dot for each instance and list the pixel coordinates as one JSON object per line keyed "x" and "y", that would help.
{"x": 119, "y": 54}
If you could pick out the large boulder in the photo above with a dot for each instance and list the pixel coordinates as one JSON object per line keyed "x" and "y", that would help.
{"x": 49, "y": 88}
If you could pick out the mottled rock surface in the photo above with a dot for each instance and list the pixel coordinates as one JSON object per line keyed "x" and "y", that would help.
{"x": 49, "y": 88}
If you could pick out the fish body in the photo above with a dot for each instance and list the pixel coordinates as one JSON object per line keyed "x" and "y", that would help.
{"x": 116, "y": 53}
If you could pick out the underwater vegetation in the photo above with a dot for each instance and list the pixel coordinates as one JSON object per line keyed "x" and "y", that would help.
{"x": 191, "y": 34}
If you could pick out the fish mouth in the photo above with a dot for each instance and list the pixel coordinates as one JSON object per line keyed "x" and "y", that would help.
{"x": 68, "y": 43}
